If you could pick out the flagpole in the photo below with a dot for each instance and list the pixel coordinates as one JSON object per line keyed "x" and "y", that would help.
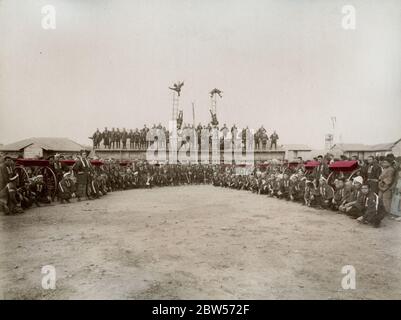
{"x": 193, "y": 114}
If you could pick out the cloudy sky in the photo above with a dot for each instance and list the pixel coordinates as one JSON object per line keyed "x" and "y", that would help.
{"x": 289, "y": 65}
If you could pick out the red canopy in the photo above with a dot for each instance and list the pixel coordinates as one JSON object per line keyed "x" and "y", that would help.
{"x": 293, "y": 164}
{"x": 349, "y": 165}
{"x": 309, "y": 165}
{"x": 32, "y": 162}
{"x": 45, "y": 163}
{"x": 68, "y": 162}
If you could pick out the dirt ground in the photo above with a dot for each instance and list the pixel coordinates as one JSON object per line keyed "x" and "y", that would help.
{"x": 195, "y": 242}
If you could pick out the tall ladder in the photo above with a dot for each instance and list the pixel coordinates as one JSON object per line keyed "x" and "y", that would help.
{"x": 213, "y": 104}
{"x": 175, "y": 106}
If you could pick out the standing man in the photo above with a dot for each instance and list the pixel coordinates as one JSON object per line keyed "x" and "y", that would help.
{"x": 7, "y": 171}
{"x": 112, "y": 138}
{"x": 144, "y": 135}
{"x": 371, "y": 174}
{"x": 322, "y": 170}
{"x": 273, "y": 140}
{"x": 386, "y": 180}
{"x": 106, "y": 138}
{"x": 97, "y": 138}
{"x": 137, "y": 139}
{"x": 8, "y": 186}
{"x": 396, "y": 201}
{"x": 82, "y": 170}
{"x": 117, "y": 138}
{"x": 58, "y": 167}
{"x": 124, "y": 137}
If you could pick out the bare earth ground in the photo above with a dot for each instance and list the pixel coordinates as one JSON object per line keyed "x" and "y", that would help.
{"x": 195, "y": 242}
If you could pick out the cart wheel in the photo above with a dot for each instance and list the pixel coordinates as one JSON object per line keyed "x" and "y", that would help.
{"x": 353, "y": 174}
{"x": 23, "y": 176}
{"x": 50, "y": 180}
{"x": 331, "y": 178}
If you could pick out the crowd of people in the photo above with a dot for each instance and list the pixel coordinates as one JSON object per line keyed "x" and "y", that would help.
{"x": 137, "y": 139}
{"x": 84, "y": 180}
{"x": 366, "y": 196}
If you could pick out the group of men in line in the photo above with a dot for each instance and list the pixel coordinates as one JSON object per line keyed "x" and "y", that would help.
{"x": 366, "y": 197}
{"x": 83, "y": 180}
{"x": 141, "y": 139}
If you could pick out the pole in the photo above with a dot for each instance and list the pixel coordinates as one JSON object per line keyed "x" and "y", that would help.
{"x": 193, "y": 114}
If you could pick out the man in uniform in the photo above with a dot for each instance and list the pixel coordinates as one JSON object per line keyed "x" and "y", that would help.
{"x": 321, "y": 170}
{"x": 6, "y": 173}
{"x": 106, "y": 138}
{"x": 113, "y": 138}
{"x": 326, "y": 194}
{"x": 144, "y": 134}
{"x": 137, "y": 139}
{"x": 82, "y": 170}
{"x": 373, "y": 210}
{"x": 12, "y": 204}
{"x": 273, "y": 140}
{"x": 117, "y": 138}
{"x": 371, "y": 173}
{"x": 65, "y": 188}
{"x": 124, "y": 137}
{"x": 57, "y": 167}
{"x": 386, "y": 180}
{"x": 97, "y": 138}
{"x": 131, "y": 139}
{"x": 355, "y": 204}
{"x": 339, "y": 193}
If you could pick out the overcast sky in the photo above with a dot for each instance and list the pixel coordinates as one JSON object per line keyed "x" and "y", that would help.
{"x": 286, "y": 64}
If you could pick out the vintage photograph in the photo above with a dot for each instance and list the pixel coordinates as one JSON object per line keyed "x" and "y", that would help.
{"x": 200, "y": 150}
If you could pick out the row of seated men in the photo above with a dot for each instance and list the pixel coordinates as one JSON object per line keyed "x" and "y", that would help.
{"x": 85, "y": 180}
{"x": 91, "y": 182}
{"x": 351, "y": 197}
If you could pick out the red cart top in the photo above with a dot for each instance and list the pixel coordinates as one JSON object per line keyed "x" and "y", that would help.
{"x": 348, "y": 165}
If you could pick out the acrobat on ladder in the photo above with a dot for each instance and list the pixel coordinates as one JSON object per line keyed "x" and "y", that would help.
{"x": 176, "y": 97}
{"x": 213, "y": 105}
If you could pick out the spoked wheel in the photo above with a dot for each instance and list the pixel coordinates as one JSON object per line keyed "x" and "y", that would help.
{"x": 353, "y": 174}
{"x": 50, "y": 180}
{"x": 23, "y": 176}
{"x": 335, "y": 175}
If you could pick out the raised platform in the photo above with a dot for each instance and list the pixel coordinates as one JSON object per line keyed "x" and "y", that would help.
{"x": 140, "y": 154}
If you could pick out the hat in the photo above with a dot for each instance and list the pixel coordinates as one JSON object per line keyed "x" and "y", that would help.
{"x": 358, "y": 179}
{"x": 388, "y": 159}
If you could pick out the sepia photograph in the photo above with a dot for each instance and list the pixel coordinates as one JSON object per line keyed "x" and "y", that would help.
{"x": 215, "y": 151}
